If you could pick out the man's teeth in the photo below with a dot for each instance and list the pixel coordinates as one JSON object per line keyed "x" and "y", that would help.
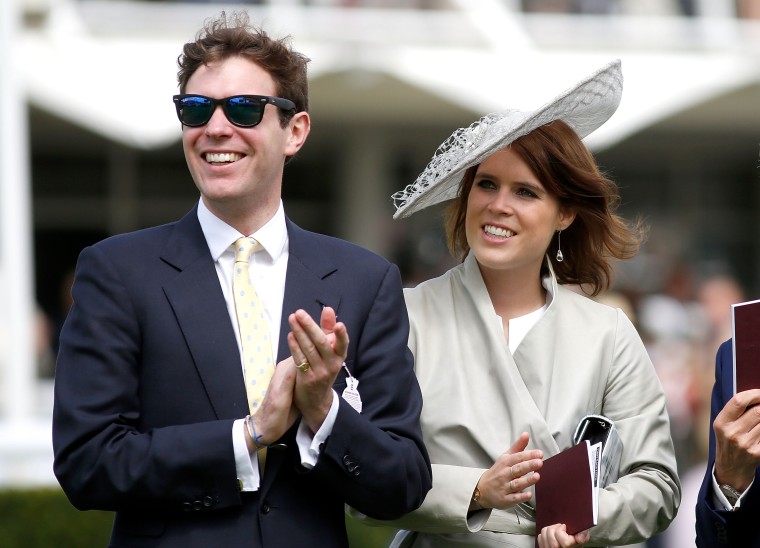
{"x": 222, "y": 157}
{"x": 496, "y": 231}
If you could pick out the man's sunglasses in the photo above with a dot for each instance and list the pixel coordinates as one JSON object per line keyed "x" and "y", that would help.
{"x": 241, "y": 110}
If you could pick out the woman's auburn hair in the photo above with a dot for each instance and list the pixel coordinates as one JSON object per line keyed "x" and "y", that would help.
{"x": 567, "y": 170}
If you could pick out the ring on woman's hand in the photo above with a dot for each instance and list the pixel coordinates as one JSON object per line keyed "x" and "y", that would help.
{"x": 303, "y": 366}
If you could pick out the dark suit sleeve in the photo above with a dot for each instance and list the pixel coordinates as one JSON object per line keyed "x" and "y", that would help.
{"x": 106, "y": 456}
{"x": 718, "y": 528}
{"x": 376, "y": 460}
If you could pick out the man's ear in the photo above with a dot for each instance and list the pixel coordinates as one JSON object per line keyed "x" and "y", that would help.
{"x": 299, "y": 125}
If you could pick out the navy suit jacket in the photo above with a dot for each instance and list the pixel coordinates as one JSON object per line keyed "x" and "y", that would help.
{"x": 149, "y": 382}
{"x": 718, "y": 528}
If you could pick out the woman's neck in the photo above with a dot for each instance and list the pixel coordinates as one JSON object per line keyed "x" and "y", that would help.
{"x": 514, "y": 294}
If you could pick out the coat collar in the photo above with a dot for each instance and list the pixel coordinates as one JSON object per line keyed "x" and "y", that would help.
{"x": 186, "y": 244}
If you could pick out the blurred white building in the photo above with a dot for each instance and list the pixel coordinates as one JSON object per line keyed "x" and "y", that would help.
{"x": 89, "y": 142}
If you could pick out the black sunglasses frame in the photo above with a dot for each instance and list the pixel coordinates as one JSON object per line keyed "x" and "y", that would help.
{"x": 259, "y": 100}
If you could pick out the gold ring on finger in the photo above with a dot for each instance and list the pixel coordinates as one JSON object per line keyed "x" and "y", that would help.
{"x": 303, "y": 366}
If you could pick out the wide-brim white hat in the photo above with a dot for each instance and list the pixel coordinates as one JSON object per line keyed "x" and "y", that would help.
{"x": 584, "y": 107}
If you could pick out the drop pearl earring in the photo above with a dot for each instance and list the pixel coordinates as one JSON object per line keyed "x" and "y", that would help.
{"x": 560, "y": 256}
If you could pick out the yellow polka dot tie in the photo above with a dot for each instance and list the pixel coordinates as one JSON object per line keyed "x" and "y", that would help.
{"x": 254, "y": 331}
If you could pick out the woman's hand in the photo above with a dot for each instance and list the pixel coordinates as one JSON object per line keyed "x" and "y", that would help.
{"x": 556, "y": 536}
{"x": 503, "y": 485}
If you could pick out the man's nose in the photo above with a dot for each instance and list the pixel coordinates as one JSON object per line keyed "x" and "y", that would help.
{"x": 218, "y": 125}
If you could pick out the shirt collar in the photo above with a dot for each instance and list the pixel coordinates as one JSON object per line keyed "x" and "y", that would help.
{"x": 273, "y": 236}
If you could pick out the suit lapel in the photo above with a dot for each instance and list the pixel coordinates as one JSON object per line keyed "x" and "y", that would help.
{"x": 308, "y": 286}
{"x": 307, "y": 282}
{"x": 201, "y": 311}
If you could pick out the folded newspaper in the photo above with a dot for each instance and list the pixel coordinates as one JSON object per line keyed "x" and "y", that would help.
{"x": 598, "y": 428}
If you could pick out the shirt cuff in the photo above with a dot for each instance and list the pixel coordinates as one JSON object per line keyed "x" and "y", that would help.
{"x": 246, "y": 465}
{"x": 309, "y": 445}
{"x": 720, "y": 501}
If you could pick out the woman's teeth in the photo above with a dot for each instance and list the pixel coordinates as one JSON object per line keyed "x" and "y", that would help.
{"x": 496, "y": 231}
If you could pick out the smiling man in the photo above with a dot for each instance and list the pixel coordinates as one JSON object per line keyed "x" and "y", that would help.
{"x": 169, "y": 408}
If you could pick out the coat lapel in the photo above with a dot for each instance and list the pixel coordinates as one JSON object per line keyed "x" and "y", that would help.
{"x": 201, "y": 311}
{"x": 522, "y": 406}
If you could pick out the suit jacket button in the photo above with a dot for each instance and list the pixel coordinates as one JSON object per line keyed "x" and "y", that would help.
{"x": 265, "y": 508}
{"x": 186, "y": 506}
{"x": 208, "y": 502}
{"x": 347, "y": 460}
{"x": 197, "y": 505}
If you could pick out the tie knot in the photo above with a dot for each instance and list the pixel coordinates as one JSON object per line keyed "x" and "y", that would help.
{"x": 244, "y": 248}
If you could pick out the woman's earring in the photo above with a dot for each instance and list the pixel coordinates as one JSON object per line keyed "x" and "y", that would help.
{"x": 560, "y": 256}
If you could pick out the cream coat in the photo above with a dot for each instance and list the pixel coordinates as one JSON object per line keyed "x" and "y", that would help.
{"x": 581, "y": 357}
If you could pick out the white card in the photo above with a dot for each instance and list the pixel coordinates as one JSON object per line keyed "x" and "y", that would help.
{"x": 351, "y": 393}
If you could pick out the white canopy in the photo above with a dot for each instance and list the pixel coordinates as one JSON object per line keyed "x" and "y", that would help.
{"x": 120, "y": 85}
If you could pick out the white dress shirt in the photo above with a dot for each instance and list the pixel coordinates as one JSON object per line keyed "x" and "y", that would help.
{"x": 719, "y": 499}
{"x": 520, "y": 326}
{"x": 268, "y": 268}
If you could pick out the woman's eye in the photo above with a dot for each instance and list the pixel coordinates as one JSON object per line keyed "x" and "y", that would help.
{"x": 527, "y": 192}
{"x": 486, "y": 184}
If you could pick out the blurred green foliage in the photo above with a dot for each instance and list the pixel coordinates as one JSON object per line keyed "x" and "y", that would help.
{"x": 37, "y": 518}
{"x": 363, "y": 536}
{"x": 41, "y": 518}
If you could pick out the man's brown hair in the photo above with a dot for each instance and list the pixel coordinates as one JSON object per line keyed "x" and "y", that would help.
{"x": 224, "y": 37}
